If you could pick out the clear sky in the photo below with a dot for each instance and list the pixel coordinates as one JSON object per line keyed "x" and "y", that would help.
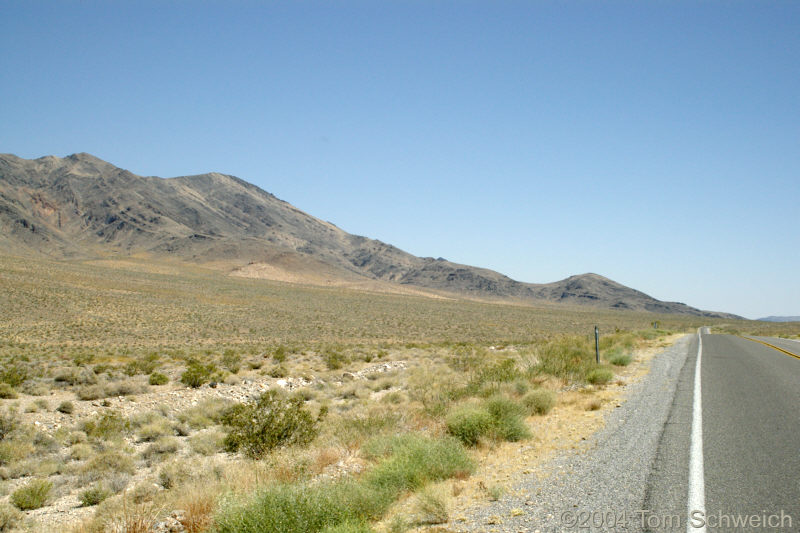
{"x": 654, "y": 142}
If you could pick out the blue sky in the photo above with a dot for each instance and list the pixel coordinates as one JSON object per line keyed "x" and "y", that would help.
{"x": 656, "y": 143}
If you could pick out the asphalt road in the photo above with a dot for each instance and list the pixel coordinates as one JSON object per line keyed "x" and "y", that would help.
{"x": 741, "y": 463}
{"x": 750, "y": 440}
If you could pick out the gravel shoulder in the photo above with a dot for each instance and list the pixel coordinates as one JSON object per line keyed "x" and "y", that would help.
{"x": 602, "y": 478}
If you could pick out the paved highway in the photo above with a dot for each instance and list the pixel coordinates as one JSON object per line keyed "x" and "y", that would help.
{"x": 750, "y": 475}
{"x": 708, "y": 441}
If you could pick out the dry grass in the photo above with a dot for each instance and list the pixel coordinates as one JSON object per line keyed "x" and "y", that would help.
{"x": 91, "y": 331}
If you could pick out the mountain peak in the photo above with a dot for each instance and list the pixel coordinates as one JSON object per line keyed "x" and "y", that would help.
{"x": 83, "y": 206}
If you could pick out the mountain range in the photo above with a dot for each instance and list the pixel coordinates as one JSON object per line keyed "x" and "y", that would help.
{"x": 80, "y": 206}
{"x": 780, "y": 319}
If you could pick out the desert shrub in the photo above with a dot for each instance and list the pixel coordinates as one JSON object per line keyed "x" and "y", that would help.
{"x": 197, "y": 374}
{"x": 620, "y": 359}
{"x": 107, "y": 462}
{"x": 91, "y": 392}
{"x": 157, "y": 378}
{"x": 80, "y": 451}
{"x": 15, "y": 449}
{"x": 174, "y": 473}
{"x": 469, "y": 423}
{"x": 334, "y": 359}
{"x": 32, "y": 495}
{"x": 508, "y": 423}
{"x": 13, "y": 374}
{"x": 539, "y": 401}
{"x": 106, "y": 426}
{"x": 431, "y": 507}
{"x": 7, "y": 392}
{"x": 500, "y": 371}
{"x": 272, "y": 421}
{"x": 205, "y": 413}
{"x": 66, "y": 407}
{"x": 94, "y": 495}
{"x": 351, "y": 431}
{"x": 278, "y": 372}
{"x": 72, "y": 376}
{"x": 145, "y": 365}
{"x": 232, "y": 361}
{"x": 126, "y": 387}
{"x": 405, "y": 462}
{"x": 279, "y": 354}
{"x": 75, "y": 437}
{"x": 8, "y": 422}
{"x": 161, "y": 447}
{"x": 408, "y": 462}
{"x": 155, "y": 429}
{"x": 499, "y": 418}
{"x": 9, "y": 517}
{"x": 207, "y": 442}
{"x": 36, "y": 387}
{"x": 302, "y": 509}
{"x": 599, "y": 376}
{"x": 521, "y": 386}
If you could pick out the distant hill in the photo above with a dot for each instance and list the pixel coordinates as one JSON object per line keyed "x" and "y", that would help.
{"x": 780, "y": 319}
{"x": 82, "y": 207}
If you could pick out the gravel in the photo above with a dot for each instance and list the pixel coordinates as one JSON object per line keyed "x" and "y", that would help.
{"x": 607, "y": 474}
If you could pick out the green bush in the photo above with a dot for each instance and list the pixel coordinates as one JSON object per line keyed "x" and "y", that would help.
{"x": 163, "y": 446}
{"x": 303, "y": 509}
{"x": 499, "y": 418}
{"x": 7, "y": 392}
{"x": 508, "y": 421}
{"x": 410, "y": 461}
{"x": 157, "y": 378}
{"x": 31, "y": 496}
{"x": 94, "y": 495}
{"x": 232, "y": 361}
{"x": 468, "y": 423}
{"x": 346, "y": 506}
{"x": 274, "y": 420}
{"x": 620, "y": 359}
{"x": 106, "y": 426}
{"x": 197, "y": 374}
{"x": 66, "y": 407}
{"x": 334, "y": 359}
{"x": 599, "y": 376}
{"x": 539, "y": 401}
{"x": 13, "y": 374}
{"x": 279, "y": 355}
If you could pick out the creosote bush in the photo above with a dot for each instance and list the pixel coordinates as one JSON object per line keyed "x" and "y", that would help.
{"x": 94, "y": 495}
{"x": 272, "y": 421}
{"x": 498, "y": 417}
{"x": 157, "y": 378}
{"x": 539, "y": 401}
{"x": 599, "y": 376}
{"x": 197, "y": 374}
{"x": 33, "y": 495}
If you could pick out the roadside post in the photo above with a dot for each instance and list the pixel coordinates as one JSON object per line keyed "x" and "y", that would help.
{"x": 597, "y": 345}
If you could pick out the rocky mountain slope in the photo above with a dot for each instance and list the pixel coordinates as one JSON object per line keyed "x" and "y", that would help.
{"x": 80, "y": 206}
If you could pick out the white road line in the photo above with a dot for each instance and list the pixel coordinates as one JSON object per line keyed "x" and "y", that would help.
{"x": 697, "y": 484}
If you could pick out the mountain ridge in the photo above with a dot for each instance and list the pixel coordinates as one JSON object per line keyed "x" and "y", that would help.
{"x": 81, "y": 206}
